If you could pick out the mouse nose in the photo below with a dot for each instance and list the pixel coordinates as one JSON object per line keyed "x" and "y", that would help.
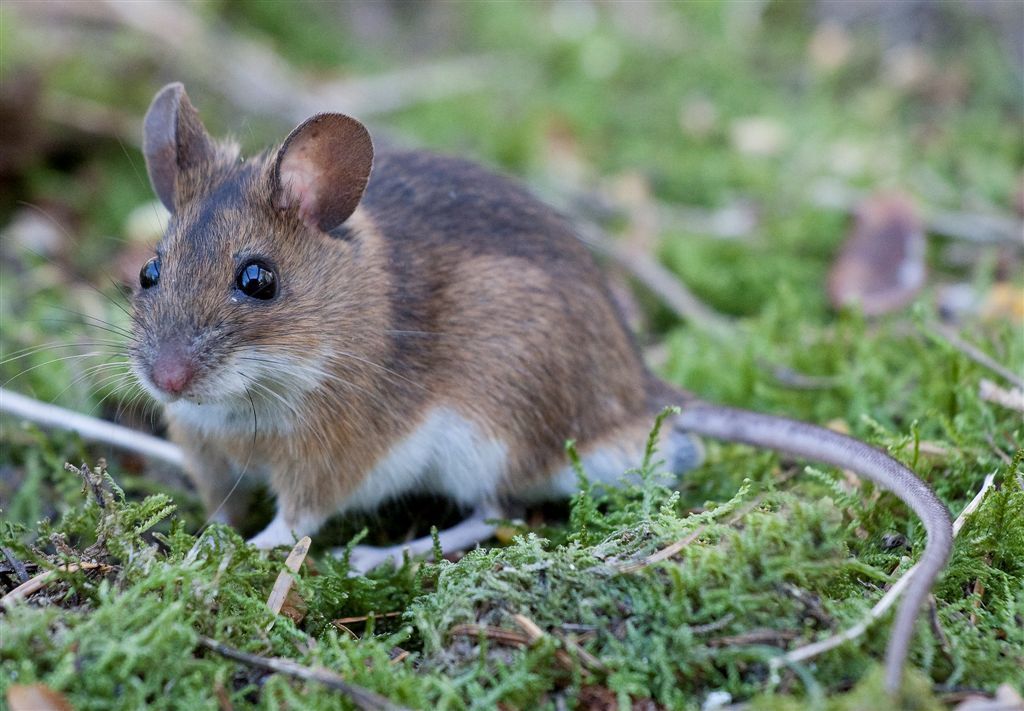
{"x": 172, "y": 370}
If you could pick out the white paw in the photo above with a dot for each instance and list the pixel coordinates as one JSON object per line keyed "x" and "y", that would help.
{"x": 277, "y": 533}
{"x": 365, "y": 558}
{"x": 282, "y": 532}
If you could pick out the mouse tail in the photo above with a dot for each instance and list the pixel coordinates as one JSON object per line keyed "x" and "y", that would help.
{"x": 822, "y": 445}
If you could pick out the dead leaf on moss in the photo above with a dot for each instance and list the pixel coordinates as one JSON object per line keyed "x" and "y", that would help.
{"x": 36, "y": 697}
{"x": 881, "y": 267}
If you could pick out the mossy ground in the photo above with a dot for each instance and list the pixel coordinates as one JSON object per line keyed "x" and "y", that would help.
{"x": 782, "y": 554}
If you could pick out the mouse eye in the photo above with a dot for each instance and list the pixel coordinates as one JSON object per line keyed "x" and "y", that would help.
{"x": 149, "y": 275}
{"x": 257, "y": 280}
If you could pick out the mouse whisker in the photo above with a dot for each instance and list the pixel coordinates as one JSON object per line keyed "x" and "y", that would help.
{"x": 91, "y": 354}
{"x": 30, "y": 351}
{"x": 307, "y": 369}
{"x": 88, "y": 374}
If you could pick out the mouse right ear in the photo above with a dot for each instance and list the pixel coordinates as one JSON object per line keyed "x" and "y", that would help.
{"x": 322, "y": 169}
{"x": 174, "y": 140}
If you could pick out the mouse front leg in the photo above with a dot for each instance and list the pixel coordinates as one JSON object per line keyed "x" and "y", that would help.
{"x": 285, "y": 529}
{"x": 224, "y": 488}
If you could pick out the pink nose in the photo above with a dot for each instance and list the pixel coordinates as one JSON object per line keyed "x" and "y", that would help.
{"x": 172, "y": 371}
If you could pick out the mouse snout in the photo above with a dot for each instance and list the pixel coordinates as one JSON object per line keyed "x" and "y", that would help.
{"x": 172, "y": 370}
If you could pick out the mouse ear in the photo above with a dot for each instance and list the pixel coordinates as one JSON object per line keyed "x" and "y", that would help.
{"x": 322, "y": 170}
{"x": 174, "y": 140}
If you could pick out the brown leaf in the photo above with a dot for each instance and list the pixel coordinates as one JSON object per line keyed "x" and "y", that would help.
{"x": 36, "y": 697}
{"x": 881, "y": 266}
{"x": 294, "y": 607}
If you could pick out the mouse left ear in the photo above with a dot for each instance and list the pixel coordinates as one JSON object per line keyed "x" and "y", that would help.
{"x": 322, "y": 170}
{"x": 174, "y": 141}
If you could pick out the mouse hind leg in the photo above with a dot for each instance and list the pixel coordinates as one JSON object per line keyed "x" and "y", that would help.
{"x": 612, "y": 460}
{"x": 462, "y": 536}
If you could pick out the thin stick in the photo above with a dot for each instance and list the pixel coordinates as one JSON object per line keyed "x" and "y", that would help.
{"x": 361, "y": 697}
{"x": 500, "y": 634}
{"x": 535, "y": 634}
{"x": 364, "y": 618}
{"x": 40, "y": 581}
{"x": 882, "y": 606}
{"x": 16, "y": 565}
{"x": 663, "y": 554}
{"x": 1010, "y": 399}
{"x": 51, "y": 416}
{"x": 284, "y": 581}
{"x": 657, "y": 278}
{"x": 947, "y": 335}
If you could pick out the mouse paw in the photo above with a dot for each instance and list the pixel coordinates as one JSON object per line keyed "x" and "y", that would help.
{"x": 363, "y": 559}
{"x": 281, "y": 532}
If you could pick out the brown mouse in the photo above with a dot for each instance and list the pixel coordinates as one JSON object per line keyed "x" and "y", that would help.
{"x": 354, "y": 326}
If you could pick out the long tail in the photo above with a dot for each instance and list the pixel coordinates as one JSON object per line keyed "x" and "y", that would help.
{"x": 822, "y": 445}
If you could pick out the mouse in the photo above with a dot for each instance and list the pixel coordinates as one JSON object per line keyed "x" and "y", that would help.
{"x": 353, "y": 325}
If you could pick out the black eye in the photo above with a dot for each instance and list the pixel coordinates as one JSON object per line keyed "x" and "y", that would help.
{"x": 149, "y": 275}
{"x": 257, "y": 280}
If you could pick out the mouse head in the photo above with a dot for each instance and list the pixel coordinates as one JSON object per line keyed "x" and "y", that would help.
{"x": 257, "y": 268}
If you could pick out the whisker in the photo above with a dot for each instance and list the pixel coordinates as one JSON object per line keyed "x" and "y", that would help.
{"x": 52, "y": 361}
{"x": 96, "y": 322}
{"x": 55, "y": 345}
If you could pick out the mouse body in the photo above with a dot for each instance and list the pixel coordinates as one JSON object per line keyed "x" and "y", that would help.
{"x": 354, "y": 327}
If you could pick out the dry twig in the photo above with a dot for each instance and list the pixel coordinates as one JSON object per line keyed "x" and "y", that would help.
{"x": 16, "y": 565}
{"x": 284, "y": 581}
{"x": 947, "y": 335}
{"x": 498, "y": 634}
{"x": 1011, "y": 399}
{"x": 814, "y": 649}
{"x": 51, "y": 416}
{"x": 363, "y": 618}
{"x": 657, "y": 278}
{"x": 361, "y": 697}
{"x": 37, "y": 583}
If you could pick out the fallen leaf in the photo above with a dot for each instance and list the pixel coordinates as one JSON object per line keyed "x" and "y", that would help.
{"x": 294, "y": 607}
{"x": 36, "y": 697}
{"x": 881, "y": 266}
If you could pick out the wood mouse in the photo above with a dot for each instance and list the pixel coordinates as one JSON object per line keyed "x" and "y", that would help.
{"x": 353, "y": 326}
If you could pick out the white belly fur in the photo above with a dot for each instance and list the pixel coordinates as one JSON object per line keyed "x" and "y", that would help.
{"x": 446, "y": 454}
